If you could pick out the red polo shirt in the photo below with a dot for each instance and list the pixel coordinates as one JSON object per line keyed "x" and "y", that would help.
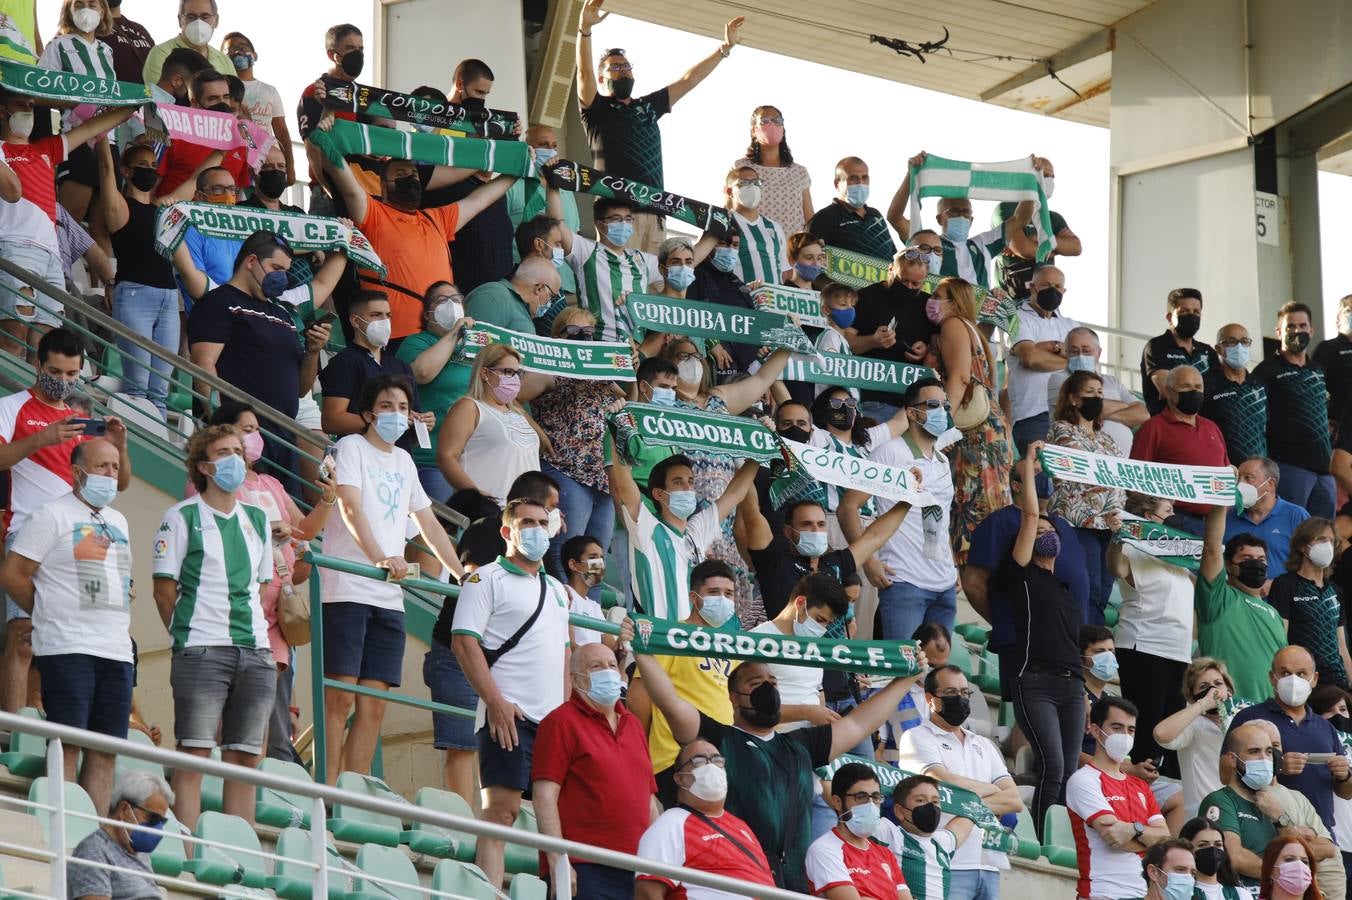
{"x": 1165, "y": 438}
{"x": 606, "y": 777}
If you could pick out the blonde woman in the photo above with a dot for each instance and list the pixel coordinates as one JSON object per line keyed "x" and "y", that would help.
{"x": 981, "y": 460}
{"x": 488, "y": 439}
{"x": 1195, "y": 732}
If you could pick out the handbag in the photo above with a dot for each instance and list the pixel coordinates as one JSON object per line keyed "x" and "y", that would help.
{"x": 293, "y": 606}
{"x": 975, "y": 407}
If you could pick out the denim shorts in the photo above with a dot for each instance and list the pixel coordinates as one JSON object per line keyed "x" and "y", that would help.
{"x": 364, "y": 642}
{"x": 86, "y": 691}
{"x": 41, "y": 309}
{"x": 225, "y": 689}
{"x": 507, "y": 768}
{"x": 447, "y": 682}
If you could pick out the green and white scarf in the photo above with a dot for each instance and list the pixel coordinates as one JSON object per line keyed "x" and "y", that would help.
{"x": 850, "y": 371}
{"x": 853, "y": 473}
{"x": 693, "y": 318}
{"x": 1004, "y": 182}
{"x": 304, "y": 234}
{"x": 1210, "y": 485}
{"x": 378, "y": 102}
{"x": 570, "y": 176}
{"x": 1168, "y": 545}
{"x": 791, "y": 301}
{"x": 67, "y": 87}
{"x": 583, "y": 360}
{"x": 646, "y": 425}
{"x": 1000, "y": 312}
{"x": 354, "y": 139}
{"x": 858, "y": 270}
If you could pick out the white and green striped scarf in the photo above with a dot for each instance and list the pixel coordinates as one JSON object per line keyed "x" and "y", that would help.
{"x": 1004, "y": 182}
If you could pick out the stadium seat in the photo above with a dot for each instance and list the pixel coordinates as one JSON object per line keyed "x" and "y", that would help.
{"x": 1029, "y": 847}
{"x": 231, "y": 857}
{"x": 433, "y": 840}
{"x": 213, "y": 788}
{"x": 988, "y": 675}
{"x": 359, "y": 826}
{"x": 79, "y": 811}
{"x": 961, "y": 657}
{"x": 518, "y": 857}
{"x": 463, "y": 879}
{"x": 1110, "y": 616}
{"x": 387, "y": 863}
{"x": 278, "y": 808}
{"x": 1059, "y": 843}
{"x": 528, "y": 887}
{"x": 27, "y": 754}
{"x": 170, "y": 853}
{"x": 127, "y": 764}
{"x": 974, "y": 632}
{"x": 292, "y": 879}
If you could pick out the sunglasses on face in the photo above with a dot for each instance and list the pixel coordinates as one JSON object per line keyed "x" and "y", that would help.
{"x": 842, "y": 403}
{"x": 579, "y": 332}
{"x": 932, "y": 404}
{"x": 770, "y": 120}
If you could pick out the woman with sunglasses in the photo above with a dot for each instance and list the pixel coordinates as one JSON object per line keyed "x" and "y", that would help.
{"x": 786, "y": 197}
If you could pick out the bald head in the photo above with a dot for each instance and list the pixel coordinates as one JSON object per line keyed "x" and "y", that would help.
{"x": 697, "y": 747}
{"x": 1293, "y": 660}
{"x": 1248, "y": 742}
{"x": 536, "y": 280}
{"x": 542, "y": 136}
{"x": 590, "y": 657}
{"x": 1048, "y": 276}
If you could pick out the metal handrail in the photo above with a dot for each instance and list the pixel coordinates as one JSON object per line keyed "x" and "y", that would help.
{"x": 320, "y": 792}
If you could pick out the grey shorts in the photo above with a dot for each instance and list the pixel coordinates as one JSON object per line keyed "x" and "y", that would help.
{"x": 42, "y": 309}
{"x": 225, "y": 689}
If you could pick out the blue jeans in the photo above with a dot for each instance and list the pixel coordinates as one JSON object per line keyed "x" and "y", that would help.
{"x": 152, "y": 313}
{"x": 1026, "y": 431}
{"x": 902, "y": 608}
{"x": 974, "y": 884}
{"x": 1314, "y": 492}
{"x": 585, "y": 511}
{"x": 434, "y": 484}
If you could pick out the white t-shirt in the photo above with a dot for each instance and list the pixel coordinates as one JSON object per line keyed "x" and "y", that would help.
{"x": 1156, "y": 613}
{"x": 1112, "y": 390}
{"x": 660, "y": 559}
{"x": 1199, "y": 755}
{"x": 390, "y": 490}
{"x": 82, "y": 600}
{"x": 918, "y": 553}
{"x": 263, "y": 102}
{"x": 584, "y": 606}
{"x": 1028, "y": 389}
{"x": 495, "y": 601}
{"x": 926, "y": 746}
{"x": 799, "y": 685}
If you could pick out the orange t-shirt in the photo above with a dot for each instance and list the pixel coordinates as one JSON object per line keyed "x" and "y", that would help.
{"x": 415, "y": 247}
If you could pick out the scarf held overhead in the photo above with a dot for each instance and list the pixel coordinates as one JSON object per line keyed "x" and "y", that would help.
{"x": 693, "y": 318}
{"x": 217, "y": 130}
{"x": 847, "y": 370}
{"x": 68, "y": 87}
{"x": 1004, "y": 182}
{"x": 585, "y": 360}
{"x": 645, "y": 425}
{"x": 353, "y": 139}
{"x": 470, "y": 118}
{"x": 791, "y": 301}
{"x": 570, "y": 176}
{"x": 1212, "y": 485}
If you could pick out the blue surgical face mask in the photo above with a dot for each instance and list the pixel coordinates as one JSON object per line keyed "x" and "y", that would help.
{"x": 1257, "y": 774}
{"x": 936, "y": 421}
{"x": 98, "y": 490}
{"x": 716, "y": 609}
{"x": 956, "y": 228}
{"x": 1178, "y": 886}
{"x": 680, "y": 277}
{"x": 145, "y": 841}
{"x": 807, "y": 271}
{"x": 1082, "y": 364}
{"x": 682, "y": 504}
{"x": 604, "y": 687}
{"x": 557, "y": 256}
{"x": 809, "y": 627}
{"x": 1103, "y": 666}
{"x": 544, "y": 155}
{"x": 664, "y": 396}
{"x": 856, "y": 194}
{"x": 619, "y": 233}
{"x": 391, "y": 426}
{"x": 724, "y": 258}
{"x": 811, "y": 543}
{"x": 229, "y": 473}
{"x": 533, "y": 542}
{"x": 1237, "y": 356}
{"x": 843, "y": 317}
{"x": 863, "y": 819}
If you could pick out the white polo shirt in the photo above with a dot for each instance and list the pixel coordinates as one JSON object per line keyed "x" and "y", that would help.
{"x": 927, "y": 564}
{"x": 926, "y": 746}
{"x": 1028, "y": 389}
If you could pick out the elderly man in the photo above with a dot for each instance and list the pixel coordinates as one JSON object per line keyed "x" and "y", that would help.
{"x": 1122, "y": 412}
{"x": 1269, "y": 517}
{"x": 1178, "y": 435}
{"x": 140, "y": 799}
{"x": 700, "y": 833}
{"x": 592, "y": 777}
{"x": 1237, "y": 403}
{"x": 1038, "y": 352}
{"x": 1176, "y": 347}
{"x": 197, "y": 19}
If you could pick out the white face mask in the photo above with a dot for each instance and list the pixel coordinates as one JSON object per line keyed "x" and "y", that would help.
{"x": 710, "y": 784}
{"x": 198, "y": 32}
{"x": 1293, "y": 690}
{"x": 447, "y": 314}
{"x": 1118, "y": 746}
{"x": 691, "y": 371}
{"x": 378, "y": 332}
{"x": 86, "y": 19}
{"x": 748, "y": 196}
{"x": 1321, "y": 554}
{"x": 21, "y": 124}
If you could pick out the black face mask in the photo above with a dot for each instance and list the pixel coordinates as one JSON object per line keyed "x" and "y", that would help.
{"x": 1252, "y": 573}
{"x": 764, "y": 710}
{"x": 1049, "y": 298}
{"x": 1342, "y": 723}
{"x": 840, "y": 418}
{"x": 1189, "y": 402}
{"x": 1296, "y": 341}
{"x": 1091, "y": 407}
{"x": 1187, "y": 325}
{"x": 801, "y": 435}
{"x": 272, "y": 183}
{"x": 407, "y": 190}
{"x": 1209, "y": 860}
{"x": 143, "y": 178}
{"x": 621, "y": 88}
{"x": 955, "y": 710}
{"x": 353, "y": 63}
{"x": 925, "y": 818}
{"x": 220, "y": 107}
{"x": 1177, "y": 522}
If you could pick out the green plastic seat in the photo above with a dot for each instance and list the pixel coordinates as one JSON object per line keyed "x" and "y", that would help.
{"x": 1029, "y": 847}
{"x": 279, "y": 808}
{"x": 359, "y": 826}
{"x": 171, "y": 852}
{"x": 1059, "y": 843}
{"x": 433, "y": 840}
{"x": 79, "y": 811}
{"x": 232, "y": 857}
{"x": 127, "y": 764}
{"x": 528, "y": 887}
{"x": 961, "y": 657}
{"x": 974, "y": 632}
{"x": 293, "y": 879}
{"x": 520, "y": 858}
{"x": 1110, "y": 616}
{"x": 388, "y": 863}
{"x": 462, "y": 879}
{"x": 27, "y": 754}
{"x": 213, "y": 787}
{"x": 988, "y": 678}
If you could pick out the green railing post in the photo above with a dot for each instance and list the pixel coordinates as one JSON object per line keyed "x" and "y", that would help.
{"x": 317, "y": 680}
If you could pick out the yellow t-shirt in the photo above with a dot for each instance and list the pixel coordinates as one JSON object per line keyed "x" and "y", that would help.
{"x": 703, "y": 683}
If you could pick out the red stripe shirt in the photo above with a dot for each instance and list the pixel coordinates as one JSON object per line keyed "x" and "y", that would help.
{"x": 35, "y": 164}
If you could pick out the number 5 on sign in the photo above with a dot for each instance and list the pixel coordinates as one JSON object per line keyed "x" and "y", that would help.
{"x": 1267, "y": 218}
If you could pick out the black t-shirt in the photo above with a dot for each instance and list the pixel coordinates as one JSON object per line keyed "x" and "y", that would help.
{"x": 131, "y": 44}
{"x": 625, "y": 139}
{"x": 1013, "y": 272}
{"x": 1240, "y": 411}
{"x": 1315, "y": 619}
{"x": 263, "y": 347}
{"x": 134, "y": 247}
{"x": 878, "y": 305}
{"x": 726, "y": 289}
{"x": 1163, "y": 352}
{"x": 1334, "y": 358}
{"x": 779, "y": 567}
{"x": 770, "y": 788}
{"x": 1298, "y": 424}
{"x": 482, "y": 250}
{"x": 1047, "y": 618}
{"x": 353, "y": 366}
{"x": 840, "y": 226}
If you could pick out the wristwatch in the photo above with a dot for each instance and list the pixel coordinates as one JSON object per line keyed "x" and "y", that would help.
{"x": 1284, "y": 821}
{"x": 1140, "y": 829}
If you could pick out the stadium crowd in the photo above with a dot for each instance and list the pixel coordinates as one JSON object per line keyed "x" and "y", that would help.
{"x": 1189, "y": 709}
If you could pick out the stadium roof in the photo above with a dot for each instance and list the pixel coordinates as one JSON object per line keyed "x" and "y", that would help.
{"x": 998, "y": 51}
